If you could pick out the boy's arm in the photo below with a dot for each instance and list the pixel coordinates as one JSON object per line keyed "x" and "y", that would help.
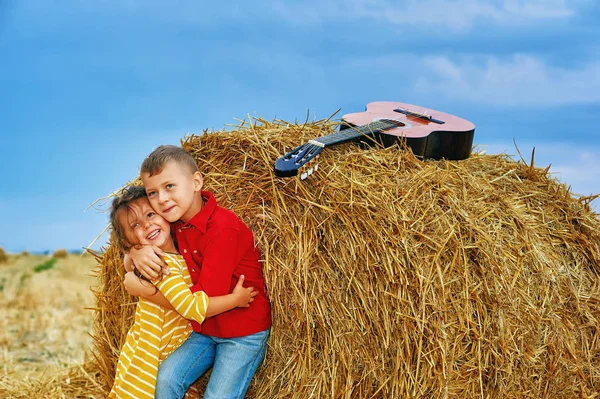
{"x": 197, "y": 306}
{"x": 241, "y": 297}
{"x": 135, "y": 286}
{"x": 148, "y": 260}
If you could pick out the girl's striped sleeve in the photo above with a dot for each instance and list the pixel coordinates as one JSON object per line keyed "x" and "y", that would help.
{"x": 190, "y": 305}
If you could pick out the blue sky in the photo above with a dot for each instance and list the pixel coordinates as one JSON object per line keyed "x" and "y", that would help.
{"x": 88, "y": 88}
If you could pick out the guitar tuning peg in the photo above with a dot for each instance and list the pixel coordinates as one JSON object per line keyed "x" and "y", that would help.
{"x": 309, "y": 172}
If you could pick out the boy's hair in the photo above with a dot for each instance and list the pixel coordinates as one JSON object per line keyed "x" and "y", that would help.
{"x": 156, "y": 161}
{"x": 121, "y": 202}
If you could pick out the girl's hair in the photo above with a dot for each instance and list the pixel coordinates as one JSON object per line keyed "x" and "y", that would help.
{"x": 121, "y": 203}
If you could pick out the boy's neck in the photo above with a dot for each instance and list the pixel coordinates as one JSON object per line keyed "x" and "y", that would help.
{"x": 196, "y": 207}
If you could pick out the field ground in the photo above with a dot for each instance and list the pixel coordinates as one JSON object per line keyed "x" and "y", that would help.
{"x": 45, "y": 315}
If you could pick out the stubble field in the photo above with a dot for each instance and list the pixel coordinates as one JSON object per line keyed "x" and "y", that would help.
{"x": 45, "y": 318}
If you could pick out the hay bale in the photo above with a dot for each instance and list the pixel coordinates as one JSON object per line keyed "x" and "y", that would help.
{"x": 391, "y": 277}
{"x": 60, "y": 253}
{"x": 3, "y": 256}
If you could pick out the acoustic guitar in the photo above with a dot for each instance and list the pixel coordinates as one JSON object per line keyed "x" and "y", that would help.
{"x": 428, "y": 133}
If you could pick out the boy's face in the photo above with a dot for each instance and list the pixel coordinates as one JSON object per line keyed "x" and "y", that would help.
{"x": 142, "y": 225}
{"x": 174, "y": 192}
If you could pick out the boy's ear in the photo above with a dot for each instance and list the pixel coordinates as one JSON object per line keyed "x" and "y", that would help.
{"x": 198, "y": 181}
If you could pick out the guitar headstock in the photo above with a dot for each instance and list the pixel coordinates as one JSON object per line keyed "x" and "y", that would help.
{"x": 288, "y": 165}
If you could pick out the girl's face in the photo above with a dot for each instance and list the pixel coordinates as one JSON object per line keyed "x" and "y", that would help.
{"x": 144, "y": 226}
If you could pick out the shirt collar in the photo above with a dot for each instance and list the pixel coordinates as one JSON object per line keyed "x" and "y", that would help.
{"x": 200, "y": 219}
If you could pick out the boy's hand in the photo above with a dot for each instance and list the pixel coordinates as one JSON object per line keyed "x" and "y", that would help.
{"x": 244, "y": 296}
{"x": 148, "y": 260}
{"x": 133, "y": 284}
{"x": 128, "y": 263}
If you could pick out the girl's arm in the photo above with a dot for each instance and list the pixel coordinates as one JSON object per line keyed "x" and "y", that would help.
{"x": 197, "y": 306}
{"x": 135, "y": 286}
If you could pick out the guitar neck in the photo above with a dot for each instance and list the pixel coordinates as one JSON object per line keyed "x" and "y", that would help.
{"x": 355, "y": 132}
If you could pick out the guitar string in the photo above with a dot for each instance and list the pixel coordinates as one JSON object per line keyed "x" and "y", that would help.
{"x": 357, "y": 131}
{"x": 353, "y": 133}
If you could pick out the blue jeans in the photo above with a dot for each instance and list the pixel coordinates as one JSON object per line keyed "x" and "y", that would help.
{"x": 234, "y": 362}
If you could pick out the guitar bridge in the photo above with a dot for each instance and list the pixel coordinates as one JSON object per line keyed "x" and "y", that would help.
{"x": 419, "y": 115}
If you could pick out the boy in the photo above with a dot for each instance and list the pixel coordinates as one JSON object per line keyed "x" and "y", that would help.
{"x": 218, "y": 247}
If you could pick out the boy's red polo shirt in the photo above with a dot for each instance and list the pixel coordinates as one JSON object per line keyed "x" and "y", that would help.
{"x": 218, "y": 247}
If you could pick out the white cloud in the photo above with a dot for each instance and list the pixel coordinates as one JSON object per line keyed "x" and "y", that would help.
{"x": 457, "y": 14}
{"x": 538, "y": 9}
{"x": 520, "y": 80}
{"x": 447, "y": 14}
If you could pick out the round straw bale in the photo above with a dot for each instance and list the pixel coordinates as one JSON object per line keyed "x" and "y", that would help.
{"x": 3, "y": 256}
{"x": 394, "y": 277}
{"x": 60, "y": 253}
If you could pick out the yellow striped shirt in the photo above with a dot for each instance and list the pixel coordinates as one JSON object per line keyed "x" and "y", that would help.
{"x": 157, "y": 332}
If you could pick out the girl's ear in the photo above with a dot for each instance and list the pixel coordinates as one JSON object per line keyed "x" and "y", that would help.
{"x": 198, "y": 181}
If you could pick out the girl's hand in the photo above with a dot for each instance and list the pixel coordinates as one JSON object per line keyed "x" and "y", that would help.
{"x": 148, "y": 260}
{"x": 133, "y": 284}
{"x": 244, "y": 296}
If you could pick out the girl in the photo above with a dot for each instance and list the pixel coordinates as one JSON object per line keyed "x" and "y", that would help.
{"x": 156, "y": 331}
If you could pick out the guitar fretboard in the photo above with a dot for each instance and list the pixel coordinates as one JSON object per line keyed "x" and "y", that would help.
{"x": 353, "y": 133}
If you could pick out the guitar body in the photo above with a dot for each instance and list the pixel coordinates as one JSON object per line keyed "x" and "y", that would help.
{"x": 428, "y": 133}
{"x": 451, "y": 140}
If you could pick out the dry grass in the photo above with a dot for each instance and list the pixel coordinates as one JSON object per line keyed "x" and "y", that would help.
{"x": 45, "y": 326}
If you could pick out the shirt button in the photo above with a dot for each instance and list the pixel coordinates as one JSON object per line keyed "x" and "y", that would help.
{"x": 180, "y": 230}
{"x": 185, "y": 251}
{"x": 195, "y": 251}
